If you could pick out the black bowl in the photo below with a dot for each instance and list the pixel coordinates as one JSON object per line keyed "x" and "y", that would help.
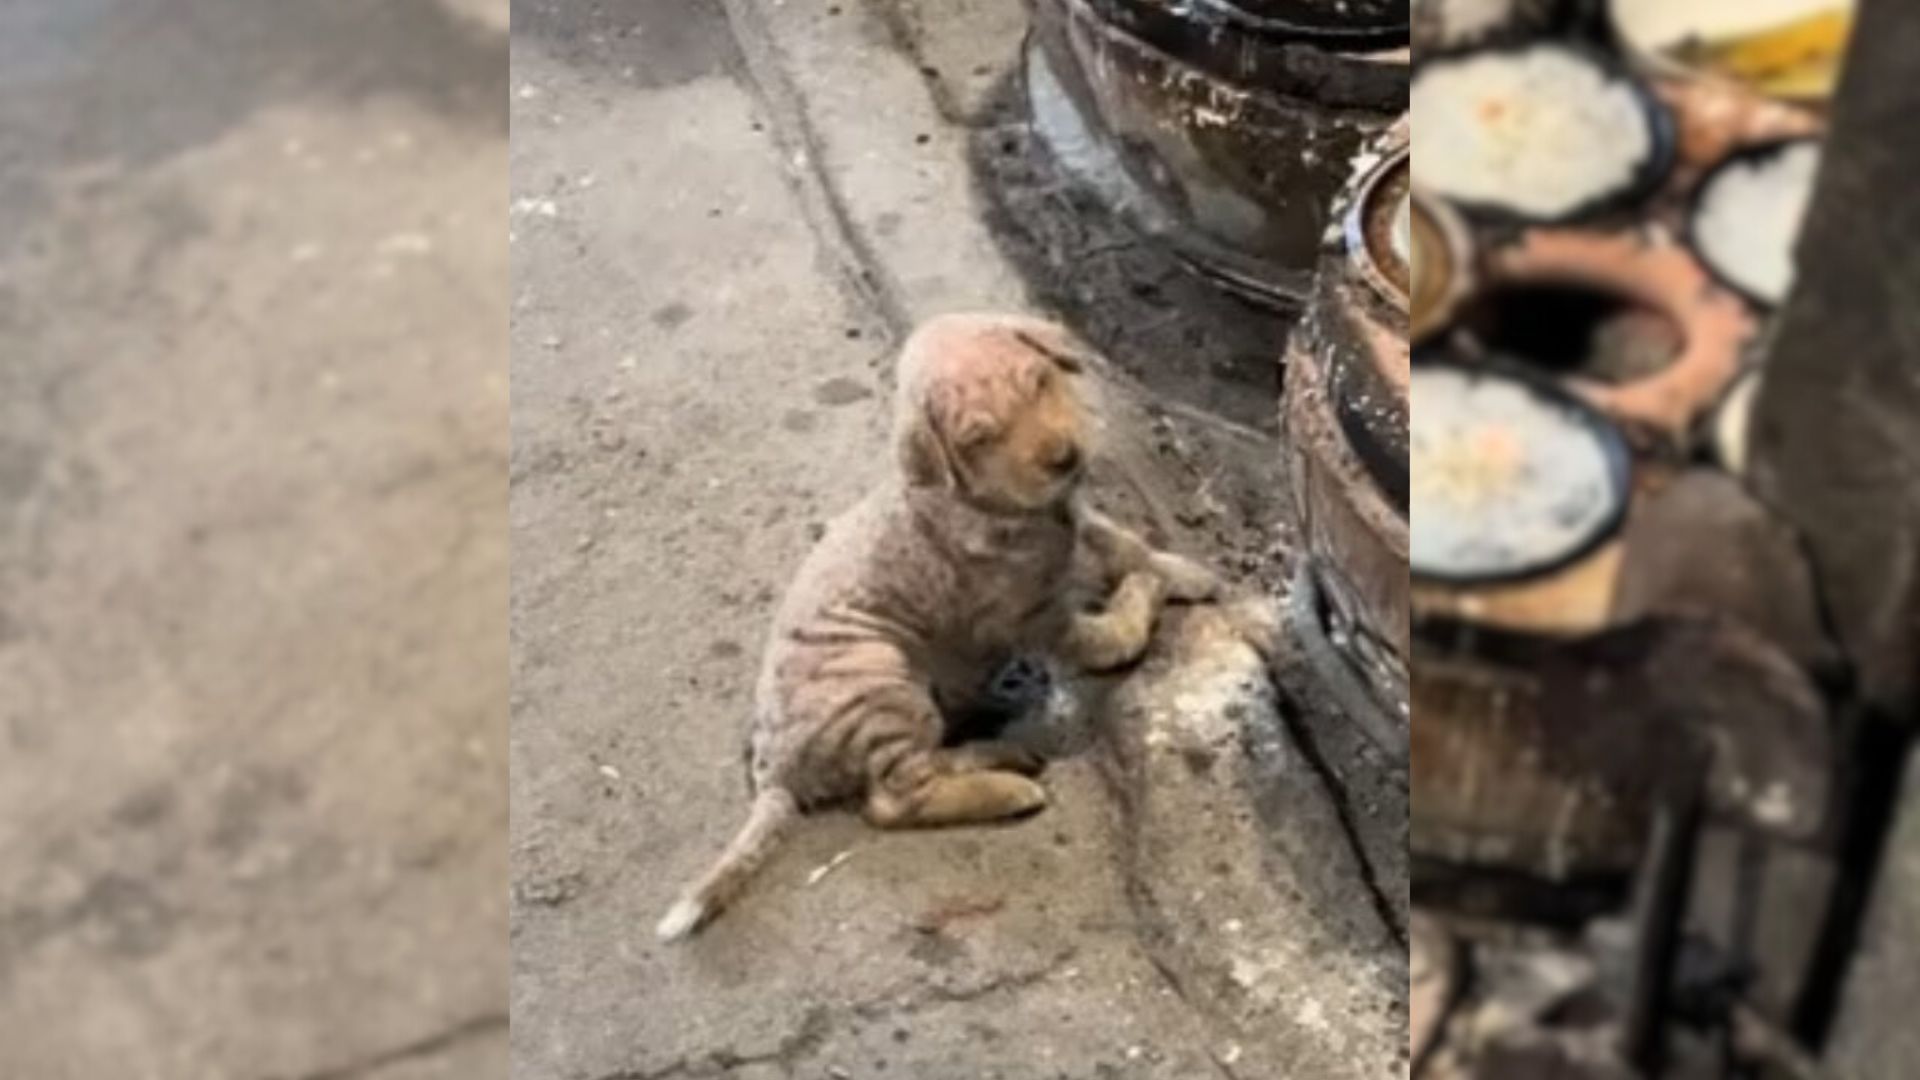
{"x": 1593, "y": 423}
{"x": 1746, "y": 155}
{"x": 1652, "y": 173}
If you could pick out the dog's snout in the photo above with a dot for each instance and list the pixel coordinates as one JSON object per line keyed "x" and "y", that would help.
{"x": 1065, "y": 460}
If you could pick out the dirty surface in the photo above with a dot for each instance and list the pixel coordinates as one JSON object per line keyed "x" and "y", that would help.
{"x": 252, "y": 413}
{"x": 720, "y": 232}
{"x": 1874, "y": 1035}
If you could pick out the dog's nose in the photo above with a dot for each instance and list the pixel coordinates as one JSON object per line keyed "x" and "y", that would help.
{"x": 1066, "y": 460}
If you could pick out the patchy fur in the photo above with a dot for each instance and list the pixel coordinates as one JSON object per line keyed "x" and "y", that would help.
{"x": 978, "y": 550}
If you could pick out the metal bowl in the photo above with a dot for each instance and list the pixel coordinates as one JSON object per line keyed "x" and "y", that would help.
{"x": 1371, "y": 225}
{"x": 1443, "y": 265}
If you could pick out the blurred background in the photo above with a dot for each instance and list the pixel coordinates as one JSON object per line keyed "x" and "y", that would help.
{"x": 253, "y": 397}
{"x": 1666, "y": 611}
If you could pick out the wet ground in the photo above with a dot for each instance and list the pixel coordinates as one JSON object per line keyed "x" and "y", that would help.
{"x": 725, "y": 217}
{"x": 253, "y": 405}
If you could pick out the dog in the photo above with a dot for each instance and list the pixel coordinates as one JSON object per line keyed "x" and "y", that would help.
{"x": 974, "y": 552}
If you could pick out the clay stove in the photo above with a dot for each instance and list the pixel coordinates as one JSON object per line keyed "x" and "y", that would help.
{"x": 1626, "y": 760}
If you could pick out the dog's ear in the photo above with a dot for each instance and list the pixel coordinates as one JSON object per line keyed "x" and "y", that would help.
{"x": 923, "y": 457}
{"x": 1056, "y": 345}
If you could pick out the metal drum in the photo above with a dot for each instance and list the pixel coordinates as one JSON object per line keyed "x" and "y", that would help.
{"x": 1225, "y": 128}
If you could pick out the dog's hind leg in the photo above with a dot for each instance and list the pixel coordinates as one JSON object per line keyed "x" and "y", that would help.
{"x": 964, "y": 785}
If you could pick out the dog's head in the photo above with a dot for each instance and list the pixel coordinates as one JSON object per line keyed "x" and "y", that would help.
{"x": 987, "y": 407}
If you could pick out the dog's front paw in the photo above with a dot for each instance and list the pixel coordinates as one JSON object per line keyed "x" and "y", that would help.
{"x": 1187, "y": 581}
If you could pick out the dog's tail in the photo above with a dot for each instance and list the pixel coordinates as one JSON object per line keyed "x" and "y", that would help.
{"x": 774, "y": 809}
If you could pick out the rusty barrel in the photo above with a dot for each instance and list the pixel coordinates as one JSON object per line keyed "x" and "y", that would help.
{"x": 1223, "y": 127}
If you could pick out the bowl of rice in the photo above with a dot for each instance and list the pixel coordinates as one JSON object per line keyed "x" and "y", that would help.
{"x": 1747, "y": 214}
{"x": 1541, "y": 133}
{"x": 1512, "y": 478}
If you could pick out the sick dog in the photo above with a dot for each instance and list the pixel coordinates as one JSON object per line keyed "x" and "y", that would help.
{"x": 974, "y": 552}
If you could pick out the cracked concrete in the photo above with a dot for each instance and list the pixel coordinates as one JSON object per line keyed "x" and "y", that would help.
{"x": 724, "y": 215}
{"x": 253, "y": 404}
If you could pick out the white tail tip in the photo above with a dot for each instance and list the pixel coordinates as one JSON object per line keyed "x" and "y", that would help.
{"x": 682, "y": 919}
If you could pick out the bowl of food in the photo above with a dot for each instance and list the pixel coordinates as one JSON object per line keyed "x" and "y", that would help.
{"x": 1540, "y": 133}
{"x": 1511, "y": 477}
{"x": 1746, "y": 215}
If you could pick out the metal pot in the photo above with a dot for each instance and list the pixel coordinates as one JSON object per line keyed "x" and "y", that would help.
{"x": 1222, "y": 127}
